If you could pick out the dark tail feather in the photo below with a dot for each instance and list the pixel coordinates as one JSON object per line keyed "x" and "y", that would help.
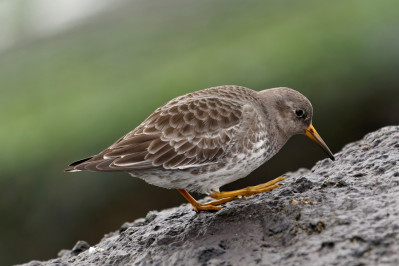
{"x": 80, "y": 161}
{"x": 72, "y": 168}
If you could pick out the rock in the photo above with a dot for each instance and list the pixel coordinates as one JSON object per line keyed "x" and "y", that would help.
{"x": 79, "y": 247}
{"x": 344, "y": 212}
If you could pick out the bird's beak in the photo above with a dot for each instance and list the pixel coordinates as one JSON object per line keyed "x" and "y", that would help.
{"x": 313, "y": 135}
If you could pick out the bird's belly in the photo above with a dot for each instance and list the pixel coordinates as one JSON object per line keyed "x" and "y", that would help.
{"x": 210, "y": 177}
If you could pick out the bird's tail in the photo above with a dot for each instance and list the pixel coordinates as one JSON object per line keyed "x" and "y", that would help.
{"x": 73, "y": 166}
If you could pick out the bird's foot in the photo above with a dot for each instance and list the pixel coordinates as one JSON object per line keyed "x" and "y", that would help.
{"x": 212, "y": 205}
{"x": 248, "y": 191}
{"x": 221, "y": 201}
{"x": 209, "y": 206}
{"x": 224, "y": 197}
{"x": 205, "y": 207}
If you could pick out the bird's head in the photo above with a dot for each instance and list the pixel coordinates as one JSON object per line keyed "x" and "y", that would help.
{"x": 293, "y": 113}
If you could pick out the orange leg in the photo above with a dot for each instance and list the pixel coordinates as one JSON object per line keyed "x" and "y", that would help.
{"x": 223, "y": 197}
{"x": 209, "y": 206}
{"x": 249, "y": 191}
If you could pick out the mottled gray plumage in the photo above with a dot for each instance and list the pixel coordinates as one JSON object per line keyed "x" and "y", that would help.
{"x": 203, "y": 140}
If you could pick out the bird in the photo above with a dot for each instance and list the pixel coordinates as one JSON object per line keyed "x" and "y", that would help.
{"x": 205, "y": 139}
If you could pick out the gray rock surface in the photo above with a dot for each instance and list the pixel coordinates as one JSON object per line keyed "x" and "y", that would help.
{"x": 338, "y": 213}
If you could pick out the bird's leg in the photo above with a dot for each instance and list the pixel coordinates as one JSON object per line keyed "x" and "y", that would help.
{"x": 210, "y": 206}
{"x": 248, "y": 191}
{"x": 220, "y": 201}
{"x": 223, "y": 197}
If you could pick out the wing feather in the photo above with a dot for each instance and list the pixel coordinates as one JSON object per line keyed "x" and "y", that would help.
{"x": 181, "y": 134}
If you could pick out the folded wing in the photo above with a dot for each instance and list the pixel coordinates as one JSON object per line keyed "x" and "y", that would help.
{"x": 178, "y": 135}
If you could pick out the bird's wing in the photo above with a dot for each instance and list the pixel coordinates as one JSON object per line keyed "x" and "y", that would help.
{"x": 178, "y": 135}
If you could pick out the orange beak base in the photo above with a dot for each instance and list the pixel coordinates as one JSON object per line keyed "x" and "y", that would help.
{"x": 313, "y": 135}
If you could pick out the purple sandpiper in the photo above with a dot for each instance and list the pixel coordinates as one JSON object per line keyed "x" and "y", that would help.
{"x": 203, "y": 140}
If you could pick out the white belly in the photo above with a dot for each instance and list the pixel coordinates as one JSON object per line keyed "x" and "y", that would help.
{"x": 206, "y": 179}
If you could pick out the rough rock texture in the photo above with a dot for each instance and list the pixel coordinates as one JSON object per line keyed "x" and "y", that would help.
{"x": 341, "y": 213}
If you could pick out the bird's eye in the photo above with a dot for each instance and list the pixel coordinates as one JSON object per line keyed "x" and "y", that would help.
{"x": 299, "y": 113}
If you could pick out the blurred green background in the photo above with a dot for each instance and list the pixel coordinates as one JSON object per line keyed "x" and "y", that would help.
{"x": 69, "y": 90}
